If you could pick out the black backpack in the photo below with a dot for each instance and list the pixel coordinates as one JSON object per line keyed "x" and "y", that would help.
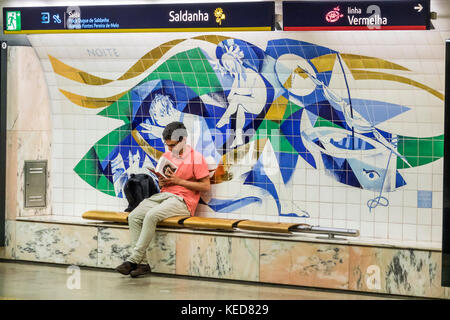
{"x": 137, "y": 188}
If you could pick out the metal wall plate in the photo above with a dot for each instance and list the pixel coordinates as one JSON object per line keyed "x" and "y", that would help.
{"x": 35, "y": 183}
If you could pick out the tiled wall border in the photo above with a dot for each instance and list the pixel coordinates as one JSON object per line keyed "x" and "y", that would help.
{"x": 410, "y": 272}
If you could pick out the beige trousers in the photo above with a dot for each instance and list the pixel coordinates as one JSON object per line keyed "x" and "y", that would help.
{"x": 144, "y": 218}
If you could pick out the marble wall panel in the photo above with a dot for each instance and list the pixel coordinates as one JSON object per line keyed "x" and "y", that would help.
{"x": 305, "y": 264}
{"x": 161, "y": 254}
{"x": 56, "y": 243}
{"x": 396, "y": 271}
{"x": 217, "y": 257}
{"x": 12, "y": 175}
{"x": 28, "y": 127}
{"x": 8, "y": 251}
{"x": 22, "y": 146}
{"x": 28, "y": 99}
{"x": 114, "y": 248}
{"x": 367, "y": 269}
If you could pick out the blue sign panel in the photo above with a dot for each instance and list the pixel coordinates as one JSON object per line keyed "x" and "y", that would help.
{"x": 141, "y": 18}
{"x": 356, "y": 15}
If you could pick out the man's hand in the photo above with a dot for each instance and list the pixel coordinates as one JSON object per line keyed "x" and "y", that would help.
{"x": 171, "y": 179}
{"x": 162, "y": 182}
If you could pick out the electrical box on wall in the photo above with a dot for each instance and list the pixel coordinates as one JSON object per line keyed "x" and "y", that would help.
{"x": 35, "y": 184}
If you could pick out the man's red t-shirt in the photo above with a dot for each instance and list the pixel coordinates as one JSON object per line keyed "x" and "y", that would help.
{"x": 191, "y": 166}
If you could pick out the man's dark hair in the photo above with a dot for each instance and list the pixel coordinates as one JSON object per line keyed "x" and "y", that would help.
{"x": 174, "y": 131}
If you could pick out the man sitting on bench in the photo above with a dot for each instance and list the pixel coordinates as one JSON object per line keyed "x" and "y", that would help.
{"x": 180, "y": 194}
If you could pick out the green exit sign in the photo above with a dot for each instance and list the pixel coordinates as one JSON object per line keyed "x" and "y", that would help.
{"x": 13, "y": 21}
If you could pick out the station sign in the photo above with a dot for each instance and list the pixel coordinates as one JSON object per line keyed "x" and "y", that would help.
{"x": 356, "y": 15}
{"x": 234, "y": 16}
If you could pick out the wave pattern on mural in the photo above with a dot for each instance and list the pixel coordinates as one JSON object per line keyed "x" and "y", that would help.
{"x": 271, "y": 108}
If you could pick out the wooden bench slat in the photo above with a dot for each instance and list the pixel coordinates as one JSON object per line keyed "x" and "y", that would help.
{"x": 121, "y": 217}
{"x": 111, "y": 216}
{"x": 210, "y": 223}
{"x": 279, "y": 227}
{"x": 173, "y": 222}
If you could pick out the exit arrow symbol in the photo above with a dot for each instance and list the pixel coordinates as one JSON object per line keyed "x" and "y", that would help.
{"x": 418, "y": 7}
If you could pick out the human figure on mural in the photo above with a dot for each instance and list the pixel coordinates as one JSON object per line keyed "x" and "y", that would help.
{"x": 372, "y": 176}
{"x": 180, "y": 194}
{"x": 162, "y": 112}
{"x": 248, "y": 92}
{"x": 353, "y": 119}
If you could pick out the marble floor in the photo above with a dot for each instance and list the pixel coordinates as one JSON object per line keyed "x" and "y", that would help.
{"x": 37, "y": 281}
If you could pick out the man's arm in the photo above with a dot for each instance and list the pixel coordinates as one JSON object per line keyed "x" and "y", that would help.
{"x": 201, "y": 185}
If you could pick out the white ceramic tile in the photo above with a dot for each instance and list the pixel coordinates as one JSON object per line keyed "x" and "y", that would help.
{"x": 353, "y": 224}
{"x": 409, "y": 232}
{"x": 325, "y": 222}
{"x": 326, "y": 210}
{"x": 436, "y": 234}
{"x": 437, "y": 199}
{"x": 68, "y": 209}
{"x": 426, "y": 181}
{"x": 339, "y": 211}
{"x": 354, "y": 196}
{"x": 339, "y": 224}
{"x": 436, "y": 217}
{"x": 268, "y": 218}
{"x": 312, "y": 176}
{"x": 57, "y": 180}
{"x": 68, "y": 196}
{"x": 326, "y": 194}
{"x": 396, "y": 197}
{"x": 395, "y": 214}
{"x": 339, "y": 195}
{"x": 381, "y": 214}
{"x": 312, "y": 208}
{"x": 423, "y": 233}
{"x": 57, "y": 149}
{"x": 366, "y": 229}
{"x": 57, "y": 208}
{"x": 424, "y": 216}
{"x": 353, "y": 212}
{"x": 367, "y": 215}
{"x": 380, "y": 230}
{"x": 437, "y": 182}
{"x": 395, "y": 231}
{"x": 410, "y": 215}
{"x": 410, "y": 198}
{"x": 299, "y": 193}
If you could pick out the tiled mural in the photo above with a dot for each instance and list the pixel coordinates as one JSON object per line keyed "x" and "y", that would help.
{"x": 335, "y": 129}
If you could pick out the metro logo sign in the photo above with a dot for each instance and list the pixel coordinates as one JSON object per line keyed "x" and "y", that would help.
{"x": 333, "y": 15}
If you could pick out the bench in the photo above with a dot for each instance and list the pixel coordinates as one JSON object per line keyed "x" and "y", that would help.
{"x": 197, "y": 222}
{"x": 224, "y": 224}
